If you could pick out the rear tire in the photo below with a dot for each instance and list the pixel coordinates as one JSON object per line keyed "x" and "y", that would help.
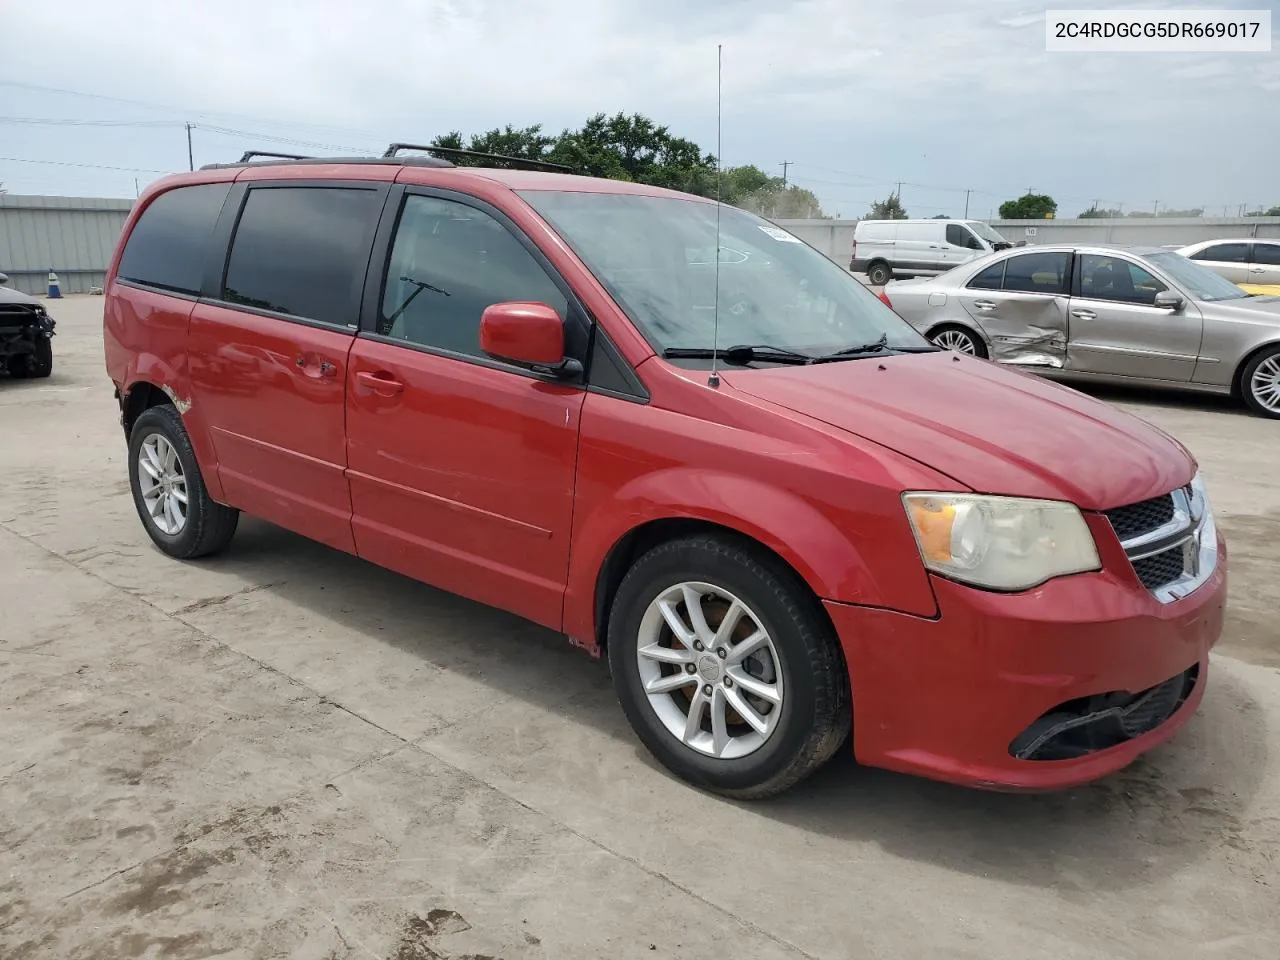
{"x": 1260, "y": 383}
{"x": 879, "y": 274}
{"x": 959, "y": 339}
{"x": 798, "y": 662}
{"x": 162, "y": 472}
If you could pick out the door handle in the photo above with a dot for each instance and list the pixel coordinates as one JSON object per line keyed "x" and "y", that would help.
{"x": 984, "y": 304}
{"x": 1255, "y": 269}
{"x": 380, "y": 383}
{"x": 1084, "y": 314}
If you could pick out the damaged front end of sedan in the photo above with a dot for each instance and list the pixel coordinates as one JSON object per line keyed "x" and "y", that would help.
{"x": 26, "y": 335}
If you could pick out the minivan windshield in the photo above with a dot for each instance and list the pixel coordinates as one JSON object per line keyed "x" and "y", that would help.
{"x": 656, "y": 257}
{"x": 1202, "y": 282}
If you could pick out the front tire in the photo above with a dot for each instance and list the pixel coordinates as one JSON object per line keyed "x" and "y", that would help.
{"x": 1260, "y": 383}
{"x": 169, "y": 492}
{"x": 726, "y": 667}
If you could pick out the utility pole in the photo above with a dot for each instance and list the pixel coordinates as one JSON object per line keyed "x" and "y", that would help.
{"x": 785, "y": 164}
{"x": 191, "y": 157}
{"x": 966, "y": 203}
{"x": 1155, "y": 209}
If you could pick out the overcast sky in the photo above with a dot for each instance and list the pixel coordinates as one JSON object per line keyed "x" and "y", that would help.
{"x": 941, "y": 94}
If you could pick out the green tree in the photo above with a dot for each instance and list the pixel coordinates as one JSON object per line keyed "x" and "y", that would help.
{"x": 635, "y": 148}
{"x": 890, "y": 208}
{"x": 1029, "y": 206}
{"x": 1100, "y": 212}
{"x": 1273, "y": 212}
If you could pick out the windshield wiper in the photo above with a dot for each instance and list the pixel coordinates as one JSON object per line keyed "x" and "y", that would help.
{"x": 740, "y": 353}
{"x": 876, "y": 346}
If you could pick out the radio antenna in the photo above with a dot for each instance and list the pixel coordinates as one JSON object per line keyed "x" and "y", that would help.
{"x": 714, "y": 379}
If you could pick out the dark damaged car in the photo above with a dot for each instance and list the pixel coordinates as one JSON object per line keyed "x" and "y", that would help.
{"x": 26, "y": 334}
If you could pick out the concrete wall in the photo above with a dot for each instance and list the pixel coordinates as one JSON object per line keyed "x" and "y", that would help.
{"x": 835, "y": 237}
{"x": 73, "y": 235}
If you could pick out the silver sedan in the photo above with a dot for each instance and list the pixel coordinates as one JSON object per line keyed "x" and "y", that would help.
{"x": 1145, "y": 316}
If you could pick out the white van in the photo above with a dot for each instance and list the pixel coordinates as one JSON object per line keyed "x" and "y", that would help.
{"x": 885, "y": 249}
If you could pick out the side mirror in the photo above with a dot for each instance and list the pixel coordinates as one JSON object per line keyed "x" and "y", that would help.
{"x": 1167, "y": 300}
{"x": 531, "y": 334}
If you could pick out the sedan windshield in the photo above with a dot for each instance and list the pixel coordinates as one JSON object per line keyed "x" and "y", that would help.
{"x": 1200, "y": 281}
{"x": 656, "y": 257}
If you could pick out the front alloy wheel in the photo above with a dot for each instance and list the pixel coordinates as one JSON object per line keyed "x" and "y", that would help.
{"x": 1261, "y": 383}
{"x": 727, "y": 666}
{"x": 710, "y": 670}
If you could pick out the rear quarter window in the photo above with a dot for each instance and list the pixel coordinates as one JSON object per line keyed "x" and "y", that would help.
{"x": 303, "y": 251}
{"x": 168, "y": 247}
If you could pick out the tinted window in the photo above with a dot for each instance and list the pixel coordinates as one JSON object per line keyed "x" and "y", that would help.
{"x": 1037, "y": 272}
{"x": 1268, "y": 253}
{"x": 448, "y": 263}
{"x": 991, "y": 278}
{"x": 302, "y": 251}
{"x": 1110, "y": 278}
{"x": 958, "y": 236}
{"x": 169, "y": 245}
{"x": 1224, "y": 253}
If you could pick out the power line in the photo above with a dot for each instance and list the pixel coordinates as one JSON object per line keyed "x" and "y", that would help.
{"x": 186, "y": 111}
{"x": 89, "y": 166}
{"x": 61, "y": 122}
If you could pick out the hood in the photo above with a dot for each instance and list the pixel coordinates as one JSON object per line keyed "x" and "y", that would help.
{"x": 1257, "y": 309}
{"x": 993, "y": 429}
{"x": 9, "y": 295}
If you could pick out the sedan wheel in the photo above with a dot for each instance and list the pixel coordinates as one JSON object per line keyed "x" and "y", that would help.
{"x": 959, "y": 340}
{"x": 1261, "y": 382}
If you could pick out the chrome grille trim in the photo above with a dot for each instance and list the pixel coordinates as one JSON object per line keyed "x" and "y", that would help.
{"x": 1191, "y": 532}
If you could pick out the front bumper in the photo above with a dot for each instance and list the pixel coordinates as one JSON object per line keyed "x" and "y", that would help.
{"x": 955, "y": 697}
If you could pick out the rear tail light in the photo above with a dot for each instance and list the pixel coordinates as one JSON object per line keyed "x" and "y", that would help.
{"x": 884, "y": 298}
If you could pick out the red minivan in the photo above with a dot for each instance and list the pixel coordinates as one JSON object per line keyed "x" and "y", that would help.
{"x": 682, "y": 437}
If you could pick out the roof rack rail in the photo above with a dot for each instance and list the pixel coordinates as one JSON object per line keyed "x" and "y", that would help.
{"x": 250, "y": 154}
{"x": 312, "y": 161}
{"x": 395, "y": 148}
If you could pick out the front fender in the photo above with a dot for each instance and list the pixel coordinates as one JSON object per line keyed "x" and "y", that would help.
{"x": 826, "y": 555}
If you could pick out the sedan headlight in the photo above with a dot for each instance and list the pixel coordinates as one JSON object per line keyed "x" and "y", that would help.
{"x": 1000, "y": 543}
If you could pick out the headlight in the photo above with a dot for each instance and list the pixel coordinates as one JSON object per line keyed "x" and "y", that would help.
{"x": 1000, "y": 543}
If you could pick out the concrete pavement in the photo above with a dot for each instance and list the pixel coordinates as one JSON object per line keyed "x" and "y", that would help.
{"x": 285, "y": 752}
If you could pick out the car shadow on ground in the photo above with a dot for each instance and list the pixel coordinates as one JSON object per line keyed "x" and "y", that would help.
{"x": 1174, "y": 806}
{"x": 1159, "y": 397}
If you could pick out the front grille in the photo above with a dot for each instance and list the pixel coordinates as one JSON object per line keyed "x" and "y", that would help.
{"x": 1138, "y": 518}
{"x": 1161, "y": 569}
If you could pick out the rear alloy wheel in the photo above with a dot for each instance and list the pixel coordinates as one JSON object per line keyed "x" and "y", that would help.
{"x": 726, "y": 668}
{"x": 1260, "y": 383}
{"x": 960, "y": 340}
{"x": 168, "y": 491}
{"x": 879, "y": 274}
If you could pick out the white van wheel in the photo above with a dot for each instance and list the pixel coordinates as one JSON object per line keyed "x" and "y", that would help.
{"x": 879, "y": 274}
